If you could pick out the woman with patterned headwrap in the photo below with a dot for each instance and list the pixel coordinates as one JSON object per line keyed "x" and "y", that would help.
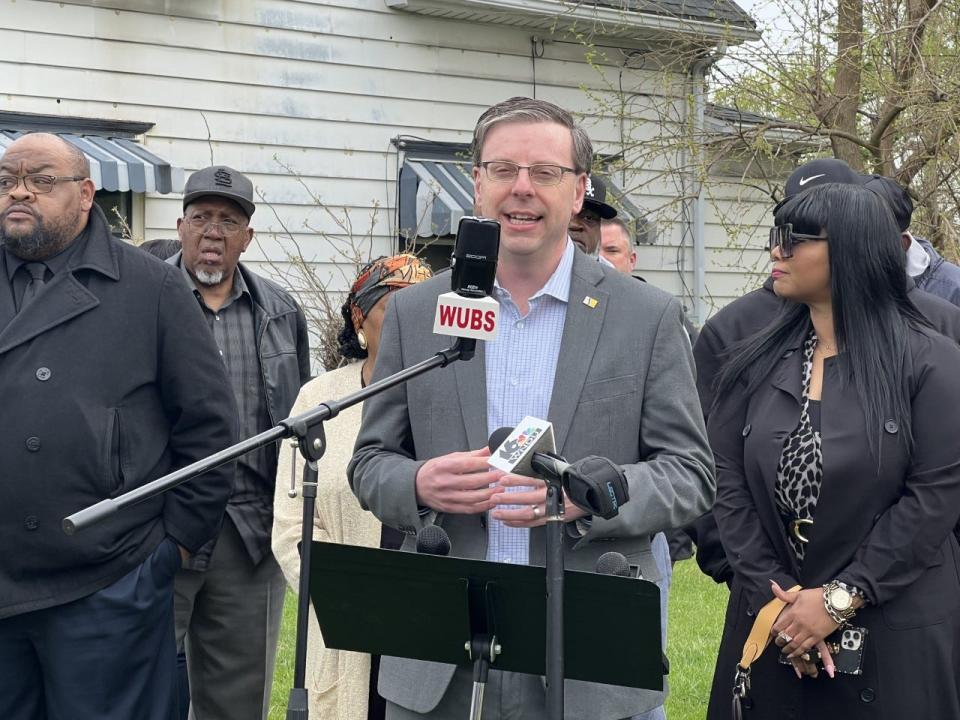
{"x": 338, "y": 682}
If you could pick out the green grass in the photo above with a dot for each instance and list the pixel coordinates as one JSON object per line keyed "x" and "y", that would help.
{"x": 697, "y": 607}
{"x": 283, "y": 672}
{"x": 696, "y": 620}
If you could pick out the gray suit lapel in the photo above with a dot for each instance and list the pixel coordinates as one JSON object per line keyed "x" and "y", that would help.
{"x": 472, "y": 393}
{"x": 581, "y": 331}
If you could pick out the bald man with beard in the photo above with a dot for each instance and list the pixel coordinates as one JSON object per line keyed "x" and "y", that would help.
{"x": 110, "y": 379}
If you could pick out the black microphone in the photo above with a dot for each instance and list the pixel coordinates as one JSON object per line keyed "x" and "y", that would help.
{"x": 433, "y": 540}
{"x": 474, "y": 258}
{"x": 613, "y": 563}
{"x": 469, "y": 312}
{"x": 497, "y": 437}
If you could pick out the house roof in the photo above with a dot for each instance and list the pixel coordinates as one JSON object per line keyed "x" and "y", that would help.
{"x": 718, "y": 21}
{"x": 715, "y": 11}
{"x": 723, "y": 120}
{"x": 733, "y": 115}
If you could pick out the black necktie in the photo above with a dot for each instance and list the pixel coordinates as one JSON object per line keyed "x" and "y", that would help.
{"x": 37, "y": 272}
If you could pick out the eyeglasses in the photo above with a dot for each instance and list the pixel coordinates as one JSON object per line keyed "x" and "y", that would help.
{"x": 783, "y": 237}
{"x": 504, "y": 171}
{"x": 201, "y": 224}
{"x": 37, "y": 184}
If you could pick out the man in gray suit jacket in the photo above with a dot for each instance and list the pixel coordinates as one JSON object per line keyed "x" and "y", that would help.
{"x": 603, "y": 357}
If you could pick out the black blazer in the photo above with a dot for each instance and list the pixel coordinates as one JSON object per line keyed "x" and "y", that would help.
{"x": 739, "y": 320}
{"x": 110, "y": 378}
{"x": 882, "y": 524}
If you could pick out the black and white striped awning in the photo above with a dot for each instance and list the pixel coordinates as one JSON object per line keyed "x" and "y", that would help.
{"x": 119, "y": 164}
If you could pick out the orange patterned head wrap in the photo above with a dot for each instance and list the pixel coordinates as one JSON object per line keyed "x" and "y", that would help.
{"x": 380, "y": 277}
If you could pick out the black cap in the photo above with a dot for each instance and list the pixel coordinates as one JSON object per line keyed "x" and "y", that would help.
{"x": 818, "y": 172}
{"x": 896, "y": 196}
{"x": 596, "y": 196}
{"x": 220, "y": 181}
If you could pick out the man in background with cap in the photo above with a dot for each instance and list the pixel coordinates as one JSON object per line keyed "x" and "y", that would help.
{"x": 752, "y": 312}
{"x": 584, "y": 228}
{"x": 229, "y": 596}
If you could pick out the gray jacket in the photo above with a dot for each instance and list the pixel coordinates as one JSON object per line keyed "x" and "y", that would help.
{"x": 624, "y": 389}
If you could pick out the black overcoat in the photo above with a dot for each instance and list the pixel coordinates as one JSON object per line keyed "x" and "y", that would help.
{"x": 109, "y": 378}
{"x": 882, "y": 524}
{"x": 739, "y": 320}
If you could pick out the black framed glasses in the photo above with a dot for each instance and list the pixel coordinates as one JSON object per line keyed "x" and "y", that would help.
{"x": 35, "y": 183}
{"x": 783, "y": 237}
{"x": 541, "y": 174}
{"x": 201, "y": 224}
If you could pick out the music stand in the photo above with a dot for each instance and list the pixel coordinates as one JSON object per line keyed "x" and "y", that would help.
{"x": 447, "y": 609}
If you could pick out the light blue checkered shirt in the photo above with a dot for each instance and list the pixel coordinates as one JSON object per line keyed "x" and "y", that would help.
{"x": 521, "y": 364}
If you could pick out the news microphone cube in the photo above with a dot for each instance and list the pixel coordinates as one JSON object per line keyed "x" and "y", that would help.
{"x": 516, "y": 452}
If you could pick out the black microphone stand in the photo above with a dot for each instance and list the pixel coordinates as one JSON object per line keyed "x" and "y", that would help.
{"x": 308, "y": 429}
{"x": 554, "y": 571}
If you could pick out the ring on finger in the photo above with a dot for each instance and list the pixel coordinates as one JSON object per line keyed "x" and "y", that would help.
{"x": 536, "y": 511}
{"x": 786, "y": 638}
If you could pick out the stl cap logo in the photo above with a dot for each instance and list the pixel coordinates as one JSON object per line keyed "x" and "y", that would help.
{"x": 223, "y": 178}
{"x": 589, "y": 187}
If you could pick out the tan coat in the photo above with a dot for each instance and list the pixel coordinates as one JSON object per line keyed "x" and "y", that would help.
{"x": 337, "y": 681}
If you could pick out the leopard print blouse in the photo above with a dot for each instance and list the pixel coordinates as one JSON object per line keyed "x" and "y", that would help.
{"x": 800, "y": 472}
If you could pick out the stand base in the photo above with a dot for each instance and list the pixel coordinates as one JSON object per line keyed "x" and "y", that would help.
{"x": 297, "y": 706}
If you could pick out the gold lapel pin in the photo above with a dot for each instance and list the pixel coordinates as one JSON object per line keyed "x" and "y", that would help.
{"x": 590, "y": 302}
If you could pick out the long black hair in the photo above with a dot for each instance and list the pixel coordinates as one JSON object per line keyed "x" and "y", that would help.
{"x": 872, "y": 313}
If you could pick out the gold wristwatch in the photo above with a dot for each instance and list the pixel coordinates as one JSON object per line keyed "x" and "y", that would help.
{"x": 838, "y": 601}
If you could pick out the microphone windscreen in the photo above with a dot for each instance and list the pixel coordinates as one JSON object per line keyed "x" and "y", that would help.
{"x": 433, "y": 540}
{"x": 613, "y": 563}
{"x": 474, "y": 261}
{"x": 497, "y": 437}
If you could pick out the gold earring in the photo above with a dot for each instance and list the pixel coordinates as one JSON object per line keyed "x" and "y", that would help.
{"x": 362, "y": 339}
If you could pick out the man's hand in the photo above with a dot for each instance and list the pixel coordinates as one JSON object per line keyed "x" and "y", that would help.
{"x": 460, "y": 482}
{"x": 184, "y": 555}
{"x": 532, "y": 502}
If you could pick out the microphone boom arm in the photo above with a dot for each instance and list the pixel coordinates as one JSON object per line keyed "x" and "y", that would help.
{"x": 296, "y": 426}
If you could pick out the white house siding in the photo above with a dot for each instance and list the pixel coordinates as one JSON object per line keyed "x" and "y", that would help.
{"x": 319, "y": 88}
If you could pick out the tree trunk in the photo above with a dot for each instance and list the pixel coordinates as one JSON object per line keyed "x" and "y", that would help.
{"x": 846, "y": 89}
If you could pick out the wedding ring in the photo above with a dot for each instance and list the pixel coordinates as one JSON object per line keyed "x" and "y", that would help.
{"x": 536, "y": 511}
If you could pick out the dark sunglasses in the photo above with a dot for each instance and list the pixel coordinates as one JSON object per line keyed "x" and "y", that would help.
{"x": 783, "y": 237}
